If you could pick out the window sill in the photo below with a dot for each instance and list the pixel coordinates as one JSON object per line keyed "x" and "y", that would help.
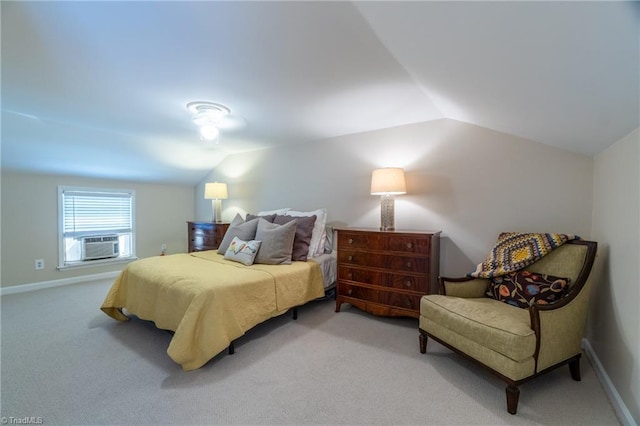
{"x": 93, "y": 263}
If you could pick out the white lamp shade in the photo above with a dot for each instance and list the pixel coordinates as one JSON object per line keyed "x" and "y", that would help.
{"x": 389, "y": 180}
{"x": 215, "y": 191}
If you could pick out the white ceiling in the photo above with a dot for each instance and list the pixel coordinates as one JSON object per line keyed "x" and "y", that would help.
{"x": 100, "y": 88}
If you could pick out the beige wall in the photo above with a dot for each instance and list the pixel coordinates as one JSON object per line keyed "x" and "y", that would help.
{"x": 467, "y": 181}
{"x": 614, "y": 324}
{"x": 30, "y": 227}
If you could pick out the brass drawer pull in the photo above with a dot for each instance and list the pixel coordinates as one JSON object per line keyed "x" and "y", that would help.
{"x": 409, "y": 245}
{"x": 407, "y": 283}
{"x": 350, "y": 240}
{"x": 350, "y": 275}
{"x": 349, "y": 292}
{"x": 408, "y": 264}
{"x": 350, "y": 257}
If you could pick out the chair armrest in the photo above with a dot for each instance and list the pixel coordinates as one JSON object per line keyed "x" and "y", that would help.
{"x": 559, "y": 328}
{"x": 466, "y": 287}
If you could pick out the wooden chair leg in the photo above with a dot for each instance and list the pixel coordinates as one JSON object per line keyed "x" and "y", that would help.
{"x": 513, "y": 394}
{"x": 574, "y": 368}
{"x": 423, "y": 342}
{"x": 232, "y": 349}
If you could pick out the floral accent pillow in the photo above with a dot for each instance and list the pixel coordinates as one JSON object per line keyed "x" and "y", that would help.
{"x": 524, "y": 288}
{"x": 242, "y": 251}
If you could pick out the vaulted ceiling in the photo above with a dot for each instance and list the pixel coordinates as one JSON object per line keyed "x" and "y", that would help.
{"x": 100, "y": 88}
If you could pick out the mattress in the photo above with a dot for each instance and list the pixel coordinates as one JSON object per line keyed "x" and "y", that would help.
{"x": 328, "y": 266}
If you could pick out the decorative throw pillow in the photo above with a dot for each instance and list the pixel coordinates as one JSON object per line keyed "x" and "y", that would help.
{"x": 242, "y": 251}
{"x": 524, "y": 288}
{"x": 268, "y": 217}
{"x": 238, "y": 228}
{"x": 277, "y": 242}
{"x": 302, "y": 239}
{"x": 319, "y": 236}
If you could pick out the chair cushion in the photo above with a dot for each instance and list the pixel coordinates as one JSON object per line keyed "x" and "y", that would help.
{"x": 524, "y": 288}
{"x": 498, "y": 326}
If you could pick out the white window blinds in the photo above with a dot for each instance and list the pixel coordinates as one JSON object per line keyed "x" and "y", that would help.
{"x": 87, "y": 213}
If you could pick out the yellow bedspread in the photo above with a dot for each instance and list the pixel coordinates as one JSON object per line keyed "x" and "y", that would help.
{"x": 208, "y": 301}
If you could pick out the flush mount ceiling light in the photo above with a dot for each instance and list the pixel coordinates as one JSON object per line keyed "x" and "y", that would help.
{"x": 208, "y": 116}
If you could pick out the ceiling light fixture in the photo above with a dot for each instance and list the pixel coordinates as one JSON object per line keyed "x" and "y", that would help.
{"x": 208, "y": 116}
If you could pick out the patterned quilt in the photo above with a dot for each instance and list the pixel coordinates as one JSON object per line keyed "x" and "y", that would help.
{"x": 514, "y": 251}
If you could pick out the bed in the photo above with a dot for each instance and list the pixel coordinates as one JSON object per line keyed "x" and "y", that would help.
{"x": 208, "y": 301}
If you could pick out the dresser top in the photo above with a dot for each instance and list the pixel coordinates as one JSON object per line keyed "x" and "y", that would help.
{"x": 396, "y": 231}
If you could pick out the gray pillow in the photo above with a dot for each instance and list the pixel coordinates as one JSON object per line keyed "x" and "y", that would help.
{"x": 268, "y": 217}
{"x": 238, "y": 228}
{"x": 277, "y": 242}
{"x": 302, "y": 239}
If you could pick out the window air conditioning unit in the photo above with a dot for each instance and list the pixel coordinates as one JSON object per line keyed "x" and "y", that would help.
{"x": 100, "y": 247}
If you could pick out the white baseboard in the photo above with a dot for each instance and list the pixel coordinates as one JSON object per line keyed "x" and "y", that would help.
{"x": 22, "y": 288}
{"x": 623, "y": 413}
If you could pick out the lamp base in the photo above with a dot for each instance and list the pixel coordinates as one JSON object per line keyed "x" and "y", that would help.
{"x": 216, "y": 206}
{"x": 387, "y": 212}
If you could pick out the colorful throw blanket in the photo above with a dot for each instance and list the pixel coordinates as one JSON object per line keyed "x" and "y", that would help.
{"x": 514, "y": 251}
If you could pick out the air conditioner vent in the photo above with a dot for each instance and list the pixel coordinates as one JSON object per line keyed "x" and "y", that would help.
{"x": 100, "y": 247}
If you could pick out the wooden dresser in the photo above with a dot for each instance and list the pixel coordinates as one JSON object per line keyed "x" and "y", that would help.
{"x": 386, "y": 272}
{"x": 205, "y": 235}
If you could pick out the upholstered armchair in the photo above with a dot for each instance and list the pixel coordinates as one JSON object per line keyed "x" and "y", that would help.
{"x": 515, "y": 343}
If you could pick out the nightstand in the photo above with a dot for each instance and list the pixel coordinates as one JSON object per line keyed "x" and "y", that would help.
{"x": 386, "y": 272}
{"x": 205, "y": 235}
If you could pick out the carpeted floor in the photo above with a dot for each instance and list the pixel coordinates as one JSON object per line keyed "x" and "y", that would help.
{"x": 65, "y": 362}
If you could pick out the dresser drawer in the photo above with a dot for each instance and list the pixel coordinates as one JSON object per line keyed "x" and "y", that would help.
{"x": 208, "y": 229}
{"x": 205, "y": 235}
{"x": 418, "y": 283}
{"x": 401, "y": 300}
{"x": 385, "y": 261}
{"x": 205, "y": 240}
{"x": 357, "y": 240}
{"x": 407, "y": 244}
{"x": 362, "y": 296}
{"x": 357, "y": 292}
{"x": 386, "y": 242}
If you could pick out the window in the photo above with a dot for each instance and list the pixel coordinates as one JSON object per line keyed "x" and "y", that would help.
{"x": 96, "y": 226}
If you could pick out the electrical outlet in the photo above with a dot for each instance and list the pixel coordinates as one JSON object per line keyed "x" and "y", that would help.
{"x": 39, "y": 264}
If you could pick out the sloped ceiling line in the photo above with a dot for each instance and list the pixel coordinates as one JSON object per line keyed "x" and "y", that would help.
{"x": 110, "y": 80}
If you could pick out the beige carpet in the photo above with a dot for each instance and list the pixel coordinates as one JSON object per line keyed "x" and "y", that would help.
{"x": 66, "y": 362}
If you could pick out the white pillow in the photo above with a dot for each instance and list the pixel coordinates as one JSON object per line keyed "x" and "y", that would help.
{"x": 278, "y": 211}
{"x": 242, "y": 251}
{"x": 319, "y": 234}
